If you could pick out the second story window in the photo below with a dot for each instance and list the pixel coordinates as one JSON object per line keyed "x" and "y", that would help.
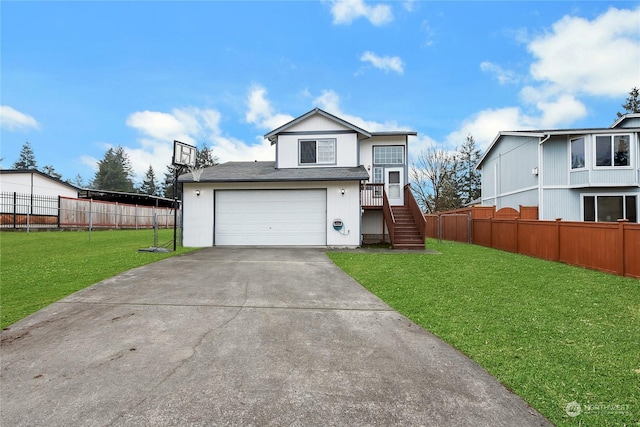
{"x": 577, "y": 153}
{"x": 613, "y": 150}
{"x": 317, "y": 151}
{"x": 388, "y": 155}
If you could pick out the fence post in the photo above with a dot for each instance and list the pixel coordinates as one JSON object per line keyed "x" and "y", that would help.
{"x": 59, "y": 210}
{"x": 558, "y": 239}
{"x": 15, "y": 204}
{"x": 517, "y": 237}
{"x": 621, "y": 266}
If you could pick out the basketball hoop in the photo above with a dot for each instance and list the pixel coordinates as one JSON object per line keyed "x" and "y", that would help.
{"x": 196, "y": 172}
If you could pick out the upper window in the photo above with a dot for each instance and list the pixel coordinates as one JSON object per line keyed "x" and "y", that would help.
{"x": 613, "y": 150}
{"x": 317, "y": 151}
{"x": 577, "y": 153}
{"x": 388, "y": 155}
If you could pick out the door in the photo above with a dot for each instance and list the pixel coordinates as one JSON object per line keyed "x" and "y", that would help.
{"x": 394, "y": 186}
{"x": 271, "y": 217}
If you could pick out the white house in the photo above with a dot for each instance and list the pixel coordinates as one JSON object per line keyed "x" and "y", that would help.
{"x": 573, "y": 174}
{"x": 34, "y": 182}
{"x": 331, "y": 184}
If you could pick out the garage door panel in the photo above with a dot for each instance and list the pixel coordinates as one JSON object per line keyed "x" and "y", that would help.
{"x": 271, "y": 217}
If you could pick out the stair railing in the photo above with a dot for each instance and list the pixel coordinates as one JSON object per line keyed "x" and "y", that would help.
{"x": 389, "y": 219}
{"x": 416, "y": 212}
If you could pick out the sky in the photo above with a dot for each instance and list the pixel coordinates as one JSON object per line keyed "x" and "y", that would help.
{"x": 77, "y": 78}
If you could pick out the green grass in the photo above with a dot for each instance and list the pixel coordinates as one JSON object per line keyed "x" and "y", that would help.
{"x": 39, "y": 268}
{"x": 550, "y": 332}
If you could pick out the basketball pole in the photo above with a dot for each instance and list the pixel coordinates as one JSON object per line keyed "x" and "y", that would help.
{"x": 175, "y": 207}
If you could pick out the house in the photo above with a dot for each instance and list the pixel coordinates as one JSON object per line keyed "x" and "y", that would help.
{"x": 34, "y": 182}
{"x": 572, "y": 174}
{"x": 331, "y": 184}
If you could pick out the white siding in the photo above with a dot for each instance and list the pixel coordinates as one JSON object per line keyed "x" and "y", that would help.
{"x": 288, "y": 149}
{"x": 199, "y": 210}
{"x": 25, "y": 183}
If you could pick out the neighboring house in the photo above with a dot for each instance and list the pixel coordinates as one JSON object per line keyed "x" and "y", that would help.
{"x": 572, "y": 174}
{"x": 331, "y": 184}
{"x": 34, "y": 182}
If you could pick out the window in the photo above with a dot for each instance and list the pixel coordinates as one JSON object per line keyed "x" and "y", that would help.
{"x": 577, "y": 153}
{"x": 610, "y": 208}
{"x": 613, "y": 150}
{"x": 318, "y": 151}
{"x": 388, "y": 155}
{"x": 378, "y": 179}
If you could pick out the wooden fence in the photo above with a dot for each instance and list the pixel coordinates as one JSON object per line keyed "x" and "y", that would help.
{"x": 605, "y": 246}
{"x": 26, "y": 211}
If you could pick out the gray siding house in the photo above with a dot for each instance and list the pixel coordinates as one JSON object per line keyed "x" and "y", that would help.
{"x": 573, "y": 174}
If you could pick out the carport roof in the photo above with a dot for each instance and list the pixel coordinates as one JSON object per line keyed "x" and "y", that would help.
{"x": 267, "y": 172}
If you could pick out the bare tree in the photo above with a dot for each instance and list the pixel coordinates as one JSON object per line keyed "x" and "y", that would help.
{"x": 433, "y": 175}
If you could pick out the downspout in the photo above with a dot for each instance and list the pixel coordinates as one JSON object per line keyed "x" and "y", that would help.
{"x": 541, "y": 212}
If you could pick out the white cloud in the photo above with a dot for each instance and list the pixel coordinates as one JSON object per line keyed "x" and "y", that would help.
{"x": 260, "y": 111}
{"x": 502, "y": 75}
{"x": 346, "y": 11}
{"x": 385, "y": 63}
{"x": 597, "y": 57}
{"x": 14, "y": 120}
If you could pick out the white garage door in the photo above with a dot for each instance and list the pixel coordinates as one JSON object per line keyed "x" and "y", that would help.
{"x": 271, "y": 217}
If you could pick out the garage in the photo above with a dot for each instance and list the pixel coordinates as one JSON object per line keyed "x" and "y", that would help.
{"x": 270, "y": 217}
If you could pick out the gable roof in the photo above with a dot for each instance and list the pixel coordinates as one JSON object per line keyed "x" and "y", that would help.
{"x": 271, "y": 136}
{"x": 267, "y": 172}
{"x": 42, "y": 174}
{"x": 545, "y": 134}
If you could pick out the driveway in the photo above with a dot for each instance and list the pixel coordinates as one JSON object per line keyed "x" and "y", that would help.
{"x": 240, "y": 336}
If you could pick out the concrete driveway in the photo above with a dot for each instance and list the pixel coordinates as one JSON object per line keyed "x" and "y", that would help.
{"x": 240, "y": 337}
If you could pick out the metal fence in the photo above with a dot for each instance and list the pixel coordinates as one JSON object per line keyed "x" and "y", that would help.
{"x": 27, "y": 211}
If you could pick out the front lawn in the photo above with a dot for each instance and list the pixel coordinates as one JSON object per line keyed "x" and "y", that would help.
{"x": 41, "y": 267}
{"x": 552, "y": 333}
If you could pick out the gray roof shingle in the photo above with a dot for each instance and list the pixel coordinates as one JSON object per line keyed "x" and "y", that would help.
{"x": 266, "y": 172}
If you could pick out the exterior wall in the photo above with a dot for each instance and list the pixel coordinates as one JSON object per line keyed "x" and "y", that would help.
{"x": 366, "y": 151}
{"x": 372, "y": 224}
{"x": 631, "y": 122}
{"x": 555, "y": 161}
{"x": 287, "y": 150}
{"x": 560, "y": 203}
{"x": 198, "y": 211}
{"x": 287, "y": 147}
{"x": 507, "y": 171}
{"x": 34, "y": 183}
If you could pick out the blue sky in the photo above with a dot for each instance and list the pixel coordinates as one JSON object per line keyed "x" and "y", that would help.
{"x": 80, "y": 77}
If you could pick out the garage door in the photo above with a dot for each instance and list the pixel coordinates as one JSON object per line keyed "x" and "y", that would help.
{"x": 271, "y": 217}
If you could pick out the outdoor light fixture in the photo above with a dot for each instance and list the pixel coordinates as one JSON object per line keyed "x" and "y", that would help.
{"x": 197, "y": 192}
{"x": 342, "y": 191}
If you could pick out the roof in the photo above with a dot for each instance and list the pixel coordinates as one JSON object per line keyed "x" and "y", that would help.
{"x": 271, "y": 136}
{"x": 42, "y": 174}
{"x": 545, "y": 133}
{"x": 127, "y": 198}
{"x": 267, "y": 172}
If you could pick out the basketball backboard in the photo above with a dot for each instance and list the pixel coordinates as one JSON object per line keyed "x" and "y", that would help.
{"x": 184, "y": 154}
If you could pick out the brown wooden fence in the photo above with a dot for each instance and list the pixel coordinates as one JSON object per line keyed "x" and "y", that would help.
{"x": 604, "y": 246}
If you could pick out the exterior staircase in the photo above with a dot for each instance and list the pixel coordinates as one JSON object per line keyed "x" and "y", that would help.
{"x": 407, "y": 234}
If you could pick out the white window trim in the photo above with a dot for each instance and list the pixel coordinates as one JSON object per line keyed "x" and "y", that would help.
{"x": 596, "y": 195}
{"x": 317, "y": 140}
{"x": 594, "y": 140}
{"x": 586, "y": 150}
{"x": 404, "y": 152}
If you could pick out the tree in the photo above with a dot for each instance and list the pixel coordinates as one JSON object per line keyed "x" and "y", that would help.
{"x": 149, "y": 183}
{"x": 468, "y": 178}
{"x": 78, "y": 181}
{"x": 167, "y": 185}
{"x": 114, "y": 172}
{"x": 633, "y": 103}
{"x": 433, "y": 174}
{"x": 26, "y": 159}
{"x": 49, "y": 170}
{"x": 205, "y": 157}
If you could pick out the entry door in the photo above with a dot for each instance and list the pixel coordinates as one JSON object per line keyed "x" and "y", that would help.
{"x": 394, "y": 186}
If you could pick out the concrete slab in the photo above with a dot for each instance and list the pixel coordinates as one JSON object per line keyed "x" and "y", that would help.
{"x": 240, "y": 336}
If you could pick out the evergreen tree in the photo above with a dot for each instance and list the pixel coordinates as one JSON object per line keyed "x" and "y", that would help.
{"x": 167, "y": 185}
{"x": 205, "y": 157}
{"x": 26, "y": 159}
{"x": 633, "y": 102}
{"x": 468, "y": 178}
{"x": 49, "y": 170}
{"x": 149, "y": 183}
{"x": 78, "y": 181}
{"x": 114, "y": 172}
